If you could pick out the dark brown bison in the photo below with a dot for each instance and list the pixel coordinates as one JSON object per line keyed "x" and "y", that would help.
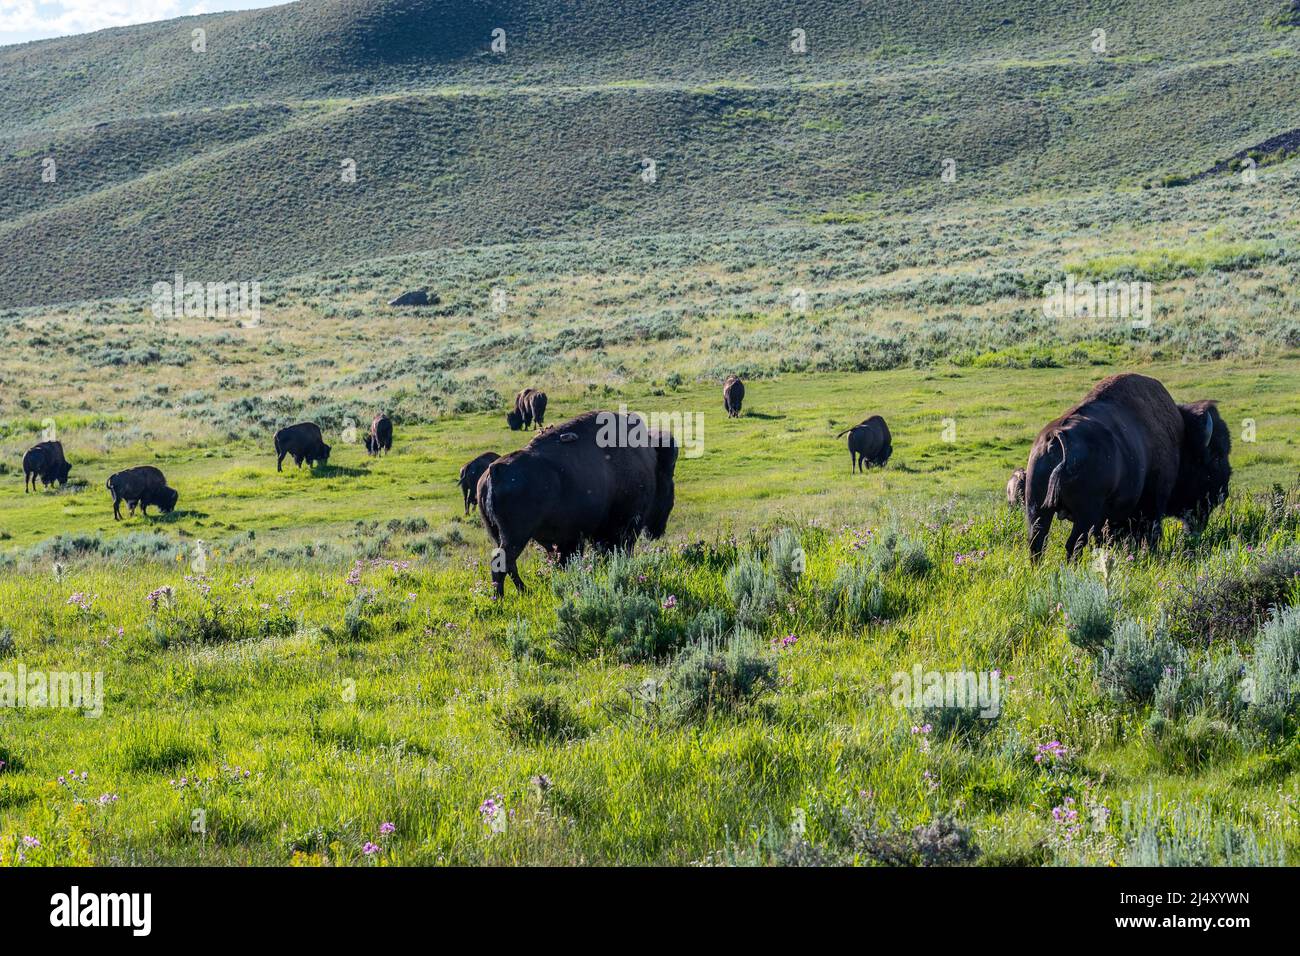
{"x": 869, "y": 443}
{"x": 530, "y": 408}
{"x": 142, "y": 486}
{"x": 603, "y": 478}
{"x": 733, "y": 395}
{"x": 45, "y": 461}
{"x": 1113, "y": 464}
{"x": 1203, "y": 470}
{"x": 303, "y": 442}
{"x": 470, "y": 473}
{"x": 1016, "y": 488}
{"x": 380, "y": 436}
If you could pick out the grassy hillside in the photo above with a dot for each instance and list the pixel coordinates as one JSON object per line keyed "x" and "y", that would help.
{"x": 227, "y": 162}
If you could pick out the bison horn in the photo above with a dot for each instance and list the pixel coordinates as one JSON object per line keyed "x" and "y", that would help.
{"x": 1209, "y": 429}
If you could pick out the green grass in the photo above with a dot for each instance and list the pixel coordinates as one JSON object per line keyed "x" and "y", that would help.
{"x": 417, "y": 703}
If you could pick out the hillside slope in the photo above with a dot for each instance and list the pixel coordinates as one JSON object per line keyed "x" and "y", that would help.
{"x": 226, "y": 164}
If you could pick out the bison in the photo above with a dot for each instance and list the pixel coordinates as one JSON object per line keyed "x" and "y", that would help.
{"x": 142, "y": 486}
{"x": 1203, "y": 470}
{"x": 602, "y": 478}
{"x": 733, "y": 395}
{"x": 45, "y": 461}
{"x": 1016, "y": 488}
{"x": 530, "y": 408}
{"x": 380, "y": 436}
{"x": 869, "y": 443}
{"x": 1122, "y": 460}
{"x": 471, "y": 473}
{"x": 304, "y": 442}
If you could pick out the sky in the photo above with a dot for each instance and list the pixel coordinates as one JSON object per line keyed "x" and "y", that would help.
{"x": 23, "y": 20}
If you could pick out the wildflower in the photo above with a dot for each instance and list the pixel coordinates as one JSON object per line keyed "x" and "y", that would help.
{"x": 162, "y": 595}
{"x": 670, "y": 602}
{"x": 386, "y": 828}
{"x": 82, "y": 601}
{"x": 369, "y": 849}
{"x": 31, "y": 841}
{"x": 1051, "y": 753}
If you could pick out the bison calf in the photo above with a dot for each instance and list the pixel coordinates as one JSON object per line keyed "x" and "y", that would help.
{"x": 302, "y": 441}
{"x": 142, "y": 487}
{"x": 45, "y": 461}
{"x": 471, "y": 473}
{"x": 1016, "y": 488}
{"x": 869, "y": 443}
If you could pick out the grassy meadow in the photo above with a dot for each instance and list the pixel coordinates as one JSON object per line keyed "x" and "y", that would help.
{"x": 309, "y": 667}
{"x": 338, "y": 662}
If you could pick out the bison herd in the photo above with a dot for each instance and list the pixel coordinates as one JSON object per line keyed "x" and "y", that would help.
{"x": 1114, "y": 466}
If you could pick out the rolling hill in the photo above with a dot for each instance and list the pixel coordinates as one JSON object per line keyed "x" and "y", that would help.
{"x": 227, "y": 164}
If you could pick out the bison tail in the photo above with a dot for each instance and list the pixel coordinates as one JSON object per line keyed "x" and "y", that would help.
{"x": 1052, "y": 499}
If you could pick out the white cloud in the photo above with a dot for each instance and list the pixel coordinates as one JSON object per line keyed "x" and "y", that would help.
{"x": 22, "y": 20}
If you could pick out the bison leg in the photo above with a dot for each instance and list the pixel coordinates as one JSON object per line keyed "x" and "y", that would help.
{"x": 1084, "y": 527}
{"x": 144, "y": 509}
{"x": 279, "y": 462}
{"x": 1039, "y": 525}
{"x": 117, "y": 507}
{"x": 505, "y": 559}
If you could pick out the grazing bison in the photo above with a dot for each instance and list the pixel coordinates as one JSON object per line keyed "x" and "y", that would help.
{"x": 602, "y": 478}
{"x": 1114, "y": 464}
{"x": 869, "y": 443}
{"x": 530, "y": 407}
{"x": 45, "y": 461}
{"x": 1016, "y": 488}
{"x": 471, "y": 473}
{"x": 304, "y": 442}
{"x": 1203, "y": 471}
{"x": 380, "y": 436}
{"x": 143, "y": 486}
{"x": 733, "y": 394}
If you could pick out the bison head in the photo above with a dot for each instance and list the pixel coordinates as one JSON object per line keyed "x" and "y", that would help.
{"x": 61, "y": 471}
{"x": 515, "y": 420}
{"x": 1203, "y": 470}
{"x": 168, "y": 500}
{"x": 324, "y": 454}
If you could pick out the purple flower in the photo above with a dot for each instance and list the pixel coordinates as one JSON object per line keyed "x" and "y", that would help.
{"x": 386, "y": 828}
{"x": 369, "y": 849}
